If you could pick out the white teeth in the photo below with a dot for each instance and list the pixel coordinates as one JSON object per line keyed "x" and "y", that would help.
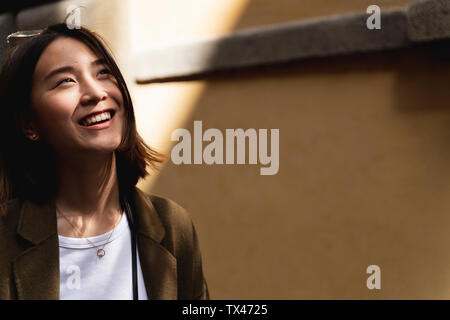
{"x": 97, "y": 118}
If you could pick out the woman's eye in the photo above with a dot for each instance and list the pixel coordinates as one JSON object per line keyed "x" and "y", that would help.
{"x": 64, "y": 80}
{"x": 104, "y": 71}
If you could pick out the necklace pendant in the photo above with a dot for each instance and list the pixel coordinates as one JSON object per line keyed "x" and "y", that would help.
{"x": 100, "y": 253}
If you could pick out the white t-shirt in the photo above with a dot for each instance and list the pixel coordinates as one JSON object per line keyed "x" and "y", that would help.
{"x": 84, "y": 276}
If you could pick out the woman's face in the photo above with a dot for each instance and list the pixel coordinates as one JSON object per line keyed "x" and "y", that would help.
{"x": 71, "y": 84}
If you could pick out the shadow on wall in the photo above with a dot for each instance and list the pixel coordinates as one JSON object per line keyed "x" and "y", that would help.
{"x": 423, "y": 82}
{"x": 422, "y": 106}
{"x": 362, "y": 178}
{"x": 364, "y": 150}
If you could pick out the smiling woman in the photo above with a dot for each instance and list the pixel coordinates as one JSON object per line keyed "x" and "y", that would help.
{"x": 74, "y": 225}
{"x": 71, "y": 85}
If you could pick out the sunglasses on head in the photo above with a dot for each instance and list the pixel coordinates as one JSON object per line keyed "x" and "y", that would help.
{"x": 16, "y": 38}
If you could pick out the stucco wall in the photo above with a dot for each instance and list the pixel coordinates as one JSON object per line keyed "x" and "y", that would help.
{"x": 362, "y": 176}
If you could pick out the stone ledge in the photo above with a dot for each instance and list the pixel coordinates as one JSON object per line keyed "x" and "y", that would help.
{"x": 423, "y": 21}
{"x": 429, "y": 20}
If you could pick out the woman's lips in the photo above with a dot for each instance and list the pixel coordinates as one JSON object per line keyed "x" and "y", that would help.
{"x": 99, "y": 126}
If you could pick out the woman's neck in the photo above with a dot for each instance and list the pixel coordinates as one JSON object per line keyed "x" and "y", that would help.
{"x": 87, "y": 196}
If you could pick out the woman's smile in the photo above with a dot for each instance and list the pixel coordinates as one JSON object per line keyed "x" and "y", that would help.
{"x": 98, "y": 121}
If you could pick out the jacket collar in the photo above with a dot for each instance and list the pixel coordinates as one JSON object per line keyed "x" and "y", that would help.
{"x": 38, "y": 222}
{"x": 36, "y": 269}
{"x": 149, "y": 225}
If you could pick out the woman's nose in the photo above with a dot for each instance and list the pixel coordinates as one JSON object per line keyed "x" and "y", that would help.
{"x": 92, "y": 92}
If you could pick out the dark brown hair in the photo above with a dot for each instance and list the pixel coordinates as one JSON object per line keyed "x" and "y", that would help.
{"x": 27, "y": 168}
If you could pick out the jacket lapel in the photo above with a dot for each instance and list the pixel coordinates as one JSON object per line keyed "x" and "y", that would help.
{"x": 159, "y": 266}
{"x": 36, "y": 269}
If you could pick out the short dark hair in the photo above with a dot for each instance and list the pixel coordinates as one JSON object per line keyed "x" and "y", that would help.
{"x": 27, "y": 168}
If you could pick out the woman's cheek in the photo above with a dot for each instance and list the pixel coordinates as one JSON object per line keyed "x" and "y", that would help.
{"x": 114, "y": 92}
{"x": 54, "y": 114}
{"x": 60, "y": 104}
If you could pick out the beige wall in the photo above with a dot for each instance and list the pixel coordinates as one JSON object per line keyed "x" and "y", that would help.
{"x": 363, "y": 173}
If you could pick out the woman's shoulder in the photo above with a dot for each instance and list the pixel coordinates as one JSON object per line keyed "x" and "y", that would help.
{"x": 179, "y": 232}
{"x": 10, "y": 213}
{"x": 171, "y": 213}
{"x": 9, "y": 221}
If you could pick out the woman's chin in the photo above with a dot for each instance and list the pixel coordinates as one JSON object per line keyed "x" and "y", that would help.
{"x": 101, "y": 148}
{"x": 104, "y": 145}
{"x": 106, "y": 149}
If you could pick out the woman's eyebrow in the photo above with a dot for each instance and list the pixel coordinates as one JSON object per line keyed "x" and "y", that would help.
{"x": 99, "y": 61}
{"x": 71, "y": 69}
{"x": 58, "y": 70}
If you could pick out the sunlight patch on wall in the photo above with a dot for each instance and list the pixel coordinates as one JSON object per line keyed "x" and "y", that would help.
{"x": 161, "y": 108}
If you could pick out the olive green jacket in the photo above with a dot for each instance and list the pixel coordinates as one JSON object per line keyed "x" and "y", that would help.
{"x": 166, "y": 239}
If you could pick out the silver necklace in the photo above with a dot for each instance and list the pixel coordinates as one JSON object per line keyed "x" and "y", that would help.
{"x": 100, "y": 250}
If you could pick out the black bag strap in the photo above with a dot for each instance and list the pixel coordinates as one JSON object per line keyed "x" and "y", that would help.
{"x": 129, "y": 213}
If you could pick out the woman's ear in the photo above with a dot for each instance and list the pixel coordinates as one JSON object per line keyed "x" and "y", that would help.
{"x": 29, "y": 129}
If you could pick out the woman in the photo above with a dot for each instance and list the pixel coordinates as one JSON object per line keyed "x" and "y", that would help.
{"x": 73, "y": 223}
